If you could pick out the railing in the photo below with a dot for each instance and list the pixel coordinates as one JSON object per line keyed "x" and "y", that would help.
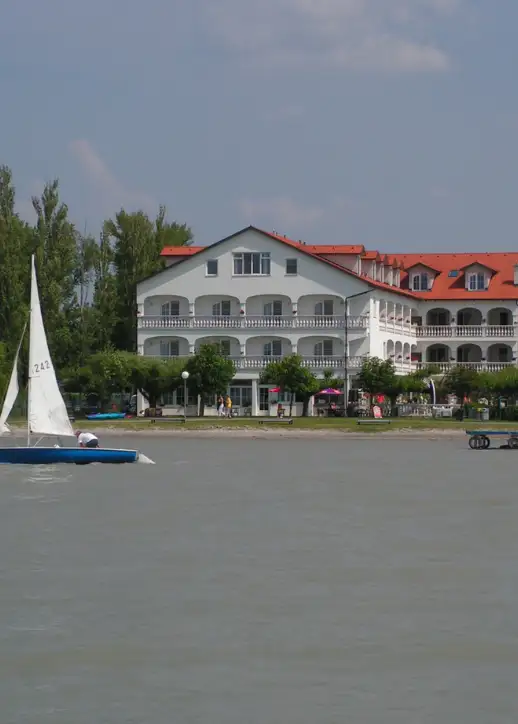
{"x": 479, "y": 330}
{"x": 258, "y": 362}
{"x": 478, "y": 366}
{"x": 253, "y": 322}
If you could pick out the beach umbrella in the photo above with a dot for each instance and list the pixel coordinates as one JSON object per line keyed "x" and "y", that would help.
{"x": 330, "y": 391}
{"x": 275, "y": 389}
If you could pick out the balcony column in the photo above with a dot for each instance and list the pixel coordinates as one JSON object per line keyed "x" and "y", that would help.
{"x": 140, "y": 349}
{"x": 242, "y": 350}
{"x": 255, "y": 398}
{"x": 192, "y": 349}
{"x": 242, "y": 313}
{"x": 192, "y": 311}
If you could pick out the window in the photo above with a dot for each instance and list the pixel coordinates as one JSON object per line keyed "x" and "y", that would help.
{"x": 223, "y": 347}
{"x": 476, "y": 282}
{"x": 291, "y": 266}
{"x": 212, "y": 268}
{"x": 273, "y": 348}
{"x": 273, "y": 309}
{"x": 324, "y": 349}
{"x": 324, "y": 308}
{"x": 170, "y": 309}
{"x": 168, "y": 399}
{"x": 252, "y": 263}
{"x": 453, "y": 273}
{"x": 191, "y": 398}
{"x": 171, "y": 348}
{"x": 264, "y": 399}
{"x": 221, "y": 309}
{"x": 420, "y": 283}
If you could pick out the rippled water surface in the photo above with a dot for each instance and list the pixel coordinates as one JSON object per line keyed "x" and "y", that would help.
{"x": 262, "y": 582}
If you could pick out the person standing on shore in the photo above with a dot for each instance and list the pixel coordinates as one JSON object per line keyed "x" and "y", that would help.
{"x": 228, "y": 406}
{"x": 221, "y": 406}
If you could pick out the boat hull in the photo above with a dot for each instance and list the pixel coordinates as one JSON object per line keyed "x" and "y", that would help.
{"x": 67, "y": 455}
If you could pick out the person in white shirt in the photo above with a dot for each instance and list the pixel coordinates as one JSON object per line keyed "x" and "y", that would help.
{"x": 86, "y": 439}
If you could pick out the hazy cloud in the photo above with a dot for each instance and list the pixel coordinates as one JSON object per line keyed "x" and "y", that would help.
{"x": 367, "y": 35}
{"x": 111, "y": 192}
{"x": 282, "y": 212}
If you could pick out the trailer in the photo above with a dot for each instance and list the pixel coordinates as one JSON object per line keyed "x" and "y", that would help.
{"x": 481, "y": 439}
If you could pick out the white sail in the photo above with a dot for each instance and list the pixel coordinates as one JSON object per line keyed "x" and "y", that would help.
{"x": 47, "y": 412}
{"x": 12, "y": 392}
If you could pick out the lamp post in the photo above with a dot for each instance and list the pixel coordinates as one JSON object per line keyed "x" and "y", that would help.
{"x": 185, "y": 377}
{"x": 346, "y": 341}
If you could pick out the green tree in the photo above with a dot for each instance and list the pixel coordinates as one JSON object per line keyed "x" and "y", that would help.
{"x": 461, "y": 381}
{"x": 210, "y": 373}
{"x": 55, "y": 245}
{"x": 153, "y": 376}
{"x": 291, "y": 376}
{"x": 504, "y": 382}
{"x": 329, "y": 380}
{"x": 377, "y": 376}
{"x": 136, "y": 242}
{"x": 16, "y": 240}
{"x": 110, "y": 372}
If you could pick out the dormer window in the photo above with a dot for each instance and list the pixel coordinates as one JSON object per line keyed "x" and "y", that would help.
{"x": 420, "y": 282}
{"x": 476, "y": 282}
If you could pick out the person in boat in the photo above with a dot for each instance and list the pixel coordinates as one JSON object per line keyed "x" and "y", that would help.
{"x": 86, "y": 439}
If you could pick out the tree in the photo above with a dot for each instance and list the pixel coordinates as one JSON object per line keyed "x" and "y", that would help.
{"x": 291, "y": 376}
{"x": 377, "y": 376}
{"x": 55, "y": 246}
{"x": 504, "y": 382}
{"x": 110, "y": 372}
{"x": 16, "y": 239}
{"x": 461, "y": 381}
{"x": 153, "y": 376}
{"x": 136, "y": 243}
{"x": 210, "y": 373}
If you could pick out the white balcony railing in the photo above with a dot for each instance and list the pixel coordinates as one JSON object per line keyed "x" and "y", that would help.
{"x": 256, "y": 362}
{"x": 478, "y": 366}
{"x": 499, "y": 331}
{"x": 294, "y": 322}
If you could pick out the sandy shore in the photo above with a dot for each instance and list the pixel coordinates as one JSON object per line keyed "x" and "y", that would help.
{"x": 265, "y": 433}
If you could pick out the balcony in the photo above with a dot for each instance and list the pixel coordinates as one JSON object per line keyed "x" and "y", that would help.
{"x": 472, "y": 331}
{"x": 253, "y": 322}
{"x": 250, "y": 362}
{"x": 445, "y": 367}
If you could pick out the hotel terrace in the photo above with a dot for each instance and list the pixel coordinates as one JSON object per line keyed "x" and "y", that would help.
{"x": 260, "y": 296}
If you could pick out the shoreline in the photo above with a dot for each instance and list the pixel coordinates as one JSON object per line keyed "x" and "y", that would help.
{"x": 246, "y": 433}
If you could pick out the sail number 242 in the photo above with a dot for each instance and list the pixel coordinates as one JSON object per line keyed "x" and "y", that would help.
{"x": 41, "y": 366}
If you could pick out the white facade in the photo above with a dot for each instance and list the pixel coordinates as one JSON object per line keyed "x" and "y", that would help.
{"x": 261, "y": 299}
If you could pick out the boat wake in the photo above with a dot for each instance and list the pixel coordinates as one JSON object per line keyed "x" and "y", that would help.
{"x": 145, "y": 460}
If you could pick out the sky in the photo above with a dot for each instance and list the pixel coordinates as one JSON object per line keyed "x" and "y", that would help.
{"x": 391, "y": 123}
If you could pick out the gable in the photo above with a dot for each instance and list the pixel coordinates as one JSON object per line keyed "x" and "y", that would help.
{"x": 188, "y": 277}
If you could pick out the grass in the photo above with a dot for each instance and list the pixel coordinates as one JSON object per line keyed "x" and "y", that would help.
{"x": 299, "y": 423}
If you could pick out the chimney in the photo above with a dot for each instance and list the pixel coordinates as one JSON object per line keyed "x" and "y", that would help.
{"x": 516, "y": 275}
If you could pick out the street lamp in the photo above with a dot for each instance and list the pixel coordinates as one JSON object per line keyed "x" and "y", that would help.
{"x": 185, "y": 377}
{"x": 346, "y": 342}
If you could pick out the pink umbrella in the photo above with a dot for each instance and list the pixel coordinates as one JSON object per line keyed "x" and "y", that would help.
{"x": 275, "y": 389}
{"x": 330, "y": 391}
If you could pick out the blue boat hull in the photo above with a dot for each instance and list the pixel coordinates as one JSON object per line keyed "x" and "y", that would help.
{"x": 107, "y": 416}
{"x": 68, "y": 455}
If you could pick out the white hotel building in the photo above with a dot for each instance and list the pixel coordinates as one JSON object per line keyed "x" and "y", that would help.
{"x": 261, "y": 296}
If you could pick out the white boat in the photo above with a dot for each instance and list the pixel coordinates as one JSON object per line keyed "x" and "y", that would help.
{"x": 47, "y": 415}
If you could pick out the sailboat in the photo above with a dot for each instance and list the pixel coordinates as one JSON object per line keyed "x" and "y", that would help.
{"x": 47, "y": 415}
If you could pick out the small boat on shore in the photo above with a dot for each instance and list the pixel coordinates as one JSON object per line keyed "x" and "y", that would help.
{"x": 107, "y": 416}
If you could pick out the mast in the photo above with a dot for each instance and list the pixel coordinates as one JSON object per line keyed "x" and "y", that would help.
{"x": 29, "y": 375}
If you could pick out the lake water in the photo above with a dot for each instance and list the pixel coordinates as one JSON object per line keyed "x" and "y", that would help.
{"x": 262, "y": 582}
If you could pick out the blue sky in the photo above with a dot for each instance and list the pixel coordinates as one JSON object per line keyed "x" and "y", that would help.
{"x": 391, "y": 123}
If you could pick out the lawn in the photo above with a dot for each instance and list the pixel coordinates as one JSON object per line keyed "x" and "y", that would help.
{"x": 299, "y": 423}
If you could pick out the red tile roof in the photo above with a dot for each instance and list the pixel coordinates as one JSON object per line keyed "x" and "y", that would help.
{"x": 501, "y": 285}
{"x": 501, "y": 264}
{"x": 180, "y": 250}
